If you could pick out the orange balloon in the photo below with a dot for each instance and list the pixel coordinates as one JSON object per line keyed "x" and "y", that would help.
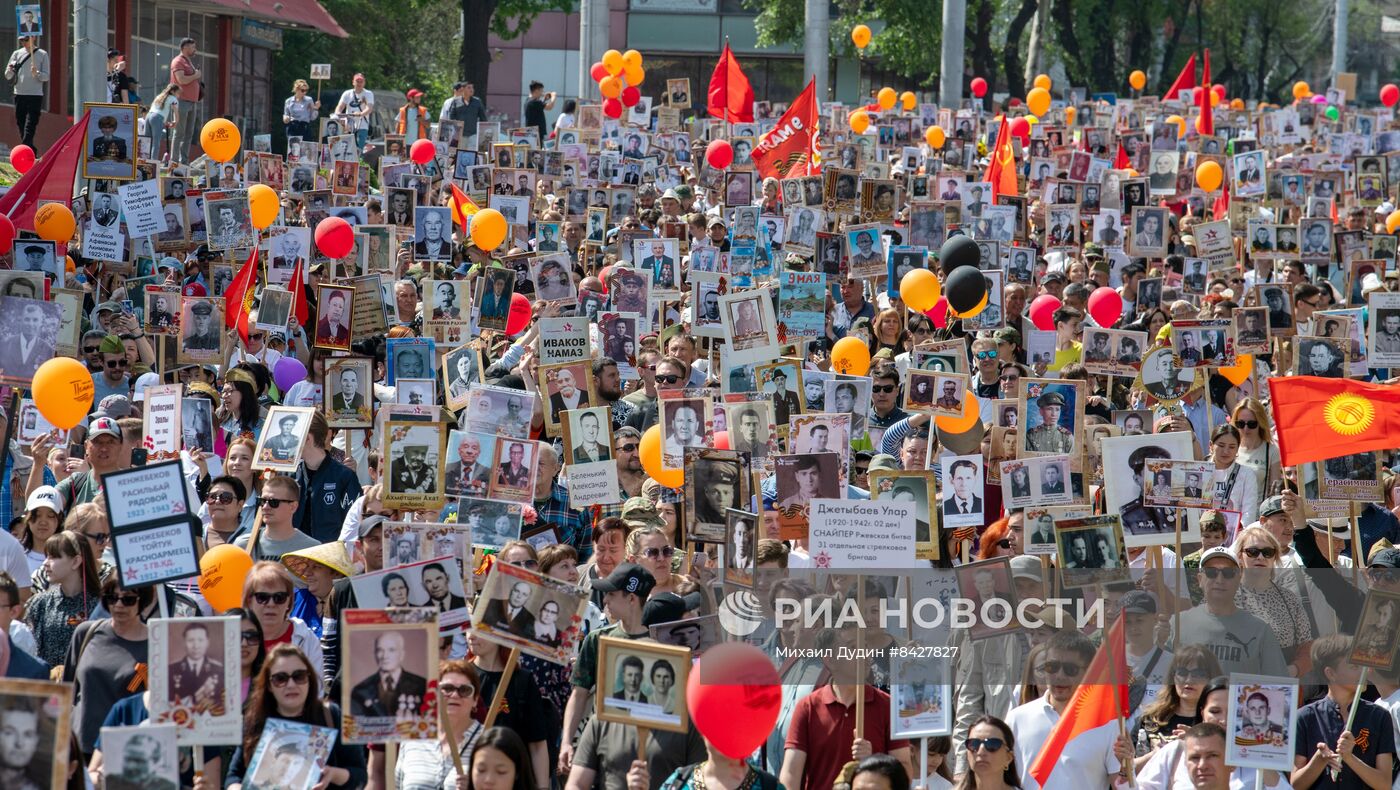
{"x": 222, "y": 572}
{"x": 859, "y": 121}
{"x": 634, "y": 74}
{"x": 1180, "y": 124}
{"x": 263, "y": 205}
{"x": 972, "y": 413}
{"x": 1238, "y": 373}
{"x": 1138, "y": 80}
{"x": 613, "y": 62}
{"x": 488, "y": 229}
{"x": 908, "y": 100}
{"x": 850, "y": 356}
{"x": 220, "y": 139}
{"x": 920, "y": 289}
{"x": 1237, "y": 104}
{"x": 632, "y": 58}
{"x": 610, "y": 87}
{"x": 1070, "y": 112}
{"x": 1209, "y": 175}
{"x": 649, "y": 449}
{"x": 976, "y": 309}
{"x": 62, "y": 389}
{"x": 1038, "y": 100}
{"x": 1042, "y": 81}
{"x": 860, "y": 36}
{"x": 1393, "y": 221}
{"x": 935, "y": 137}
{"x": 54, "y": 222}
{"x": 1301, "y": 90}
{"x": 886, "y": 98}
{"x": 68, "y": 265}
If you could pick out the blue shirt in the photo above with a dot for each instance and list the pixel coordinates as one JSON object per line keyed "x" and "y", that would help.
{"x": 575, "y": 526}
{"x": 1322, "y": 722}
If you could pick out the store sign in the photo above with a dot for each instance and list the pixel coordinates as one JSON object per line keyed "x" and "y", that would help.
{"x": 258, "y": 34}
{"x": 677, "y": 6}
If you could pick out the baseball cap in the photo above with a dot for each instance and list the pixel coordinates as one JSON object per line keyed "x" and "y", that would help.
{"x": 628, "y": 577}
{"x": 1219, "y": 551}
{"x": 114, "y": 52}
{"x": 104, "y": 426}
{"x": 641, "y": 510}
{"x": 414, "y": 93}
{"x": 1007, "y": 335}
{"x": 1385, "y": 558}
{"x": 884, "y": 462}
{"x": 1140, "y": 602}
{"x": 109, "y": 307}
{"x": 1271, "y": 506}
{"x": 1025, "y": 566}
{"x": 114, "y": 406}
{"x": 44, "y": 496}
{"x": 671, "y": 194}
{"x": 668, "y": 607}
{"x": 144, "y": 382}
{"x": 367, "y": 525}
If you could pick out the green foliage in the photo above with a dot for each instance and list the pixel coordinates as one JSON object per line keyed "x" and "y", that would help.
{"x": 908, "y": 43}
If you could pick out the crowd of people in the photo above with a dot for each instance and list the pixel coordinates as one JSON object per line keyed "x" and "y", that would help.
{"x": 640, "y": 392}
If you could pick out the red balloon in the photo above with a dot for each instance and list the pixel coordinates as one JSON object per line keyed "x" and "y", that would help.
{"x": 1219, "y": 91}
{"x": 979, "y": 87}
{"x": 737, "y": 716}
{"x": 721, "y": 440}
{"x": 603, "y": 275}
{"x": 612, "y": 108}
{"x": 1042, "y": 308}
{"x": 1390, "y": 94}
{"x": 7, "y": 232}
{"x": 22, "y": 158}
{"x": 719, "y": 153}
{"x": 422, "y": 151}
{"x": 1020, "y": 127}
{"x": 335, "y": 237}
{"x": 598, "y": 72}
{"x": 519, "y": 316}
{"x": 938, "y": 314}
{"x": 630, "y": 96}
{"x": 1105, "y": 305}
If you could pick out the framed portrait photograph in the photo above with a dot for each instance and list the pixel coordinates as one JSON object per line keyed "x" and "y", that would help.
{"x": 230, "y": 224}
{"x": 642, "y": 684}
{"x": 1186, "y": 484}
{"x": 1321, "y": 356}
{"x": 333, "y": 317}
{"x": 1252, "y": 330}
{"x": 162, "y": 309}
{"x": 143, "y": 755}
{"x": 461, "y": 368}
{"x": 963, "y": 501}
{"x": 1149, "y": 232}
{"x": 432, "y": 233}
{"x": 1262, "y": 721}
{"x": 1125, "y": 460}
{"x": 493, "y": 297}
{"x": 1091, "y": 550}
{"x": 413, "y": 453}
{"x": 917, "y": 487}
{"x": 199, "y": 689}
{"x": 715, "y": 482}
{"x": 1354, "y": 477}
{"x": 696, "y": 634}
{"x": 497, "y": 410}
{"x": 1052, "y": 414}
{"x": 41, "y": 711}
{"x": 282, "y": 437}
{"x": 415, "y": 392}
{"x": 982, "y": 583}
{"x": 1206, "y": 342}
{"x": 346, "y": 395}
{"x": 686, "y": 422}
{"x": 921, "y": 700}
{"x": 587, "y": 435}
{"x": 564, "y": 386}
{"x": 410, "y": 357}
{"x": 516, "y": 464}
{"x": 540, "y": 615}
{"x": 740, "y": 543}
{"x": 802, "y": 478}
{"x": 400, "y": 643}
{"x": 749, "y": 326}
{"x": 110, "y": 152}
{"x": 202, "y": 336}
{"x": 1162, "y": 378}
{"x": 491, "y": 523}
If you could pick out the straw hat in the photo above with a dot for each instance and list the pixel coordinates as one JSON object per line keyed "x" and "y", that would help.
{"x": 332, "y": 555}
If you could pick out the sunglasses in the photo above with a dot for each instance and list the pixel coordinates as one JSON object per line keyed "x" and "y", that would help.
{"x": 258, "y": 336}
{"x": 653, "y": 552}
{"x": 219, "y": 497}
{"x": 862, "y": 470}
{"x": 1255, "y": 552}
{"x": 278, "y": 598}
{"x": 883, "y": 389}
{"x": 1010, "y": 378}
{"x": 987, "y": 354}
{"x": 1067, "y": 668}
{"x": 1191, "y": 673}
{"x": 250, "y": 637}
{"x": 273, "y": 504}
{"x": 450, "y": 690}
{"x": 630, "y": 447}
{"x": 92, "y": 349}
{"x": 1221, "y": 573}
{"x": 667, "y": 379}
{"x": 300, "y": 677}
{"x": 117, "y": 363}
{"x": 100, "y": 538}
{"x": 125, "y": 599}
{"x": 1247, "y": 425}
{"x": 990, "y": 744}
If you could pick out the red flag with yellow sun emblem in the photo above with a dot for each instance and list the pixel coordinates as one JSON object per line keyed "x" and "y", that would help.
{"x": 1319, "y": 418}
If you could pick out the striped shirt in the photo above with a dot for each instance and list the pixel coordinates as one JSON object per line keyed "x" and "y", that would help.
{"x": 424, "y": 765}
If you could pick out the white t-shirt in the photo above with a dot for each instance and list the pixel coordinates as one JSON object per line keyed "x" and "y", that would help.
{"x": 1086, "y": 761}
{"x": 13, "y": 559}
{"x": 355, "y": 103}
{"x": 303, "y": 393}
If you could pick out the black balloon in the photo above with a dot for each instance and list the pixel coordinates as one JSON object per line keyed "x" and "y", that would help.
{"x": 957, "y": 252}
{"x": 964, "y": 286}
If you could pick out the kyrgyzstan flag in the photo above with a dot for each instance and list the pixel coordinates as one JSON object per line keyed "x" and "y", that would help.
{"x": 730, "y": 95}
{"x": 789, "y": 149}
{"x": 1001, "y": 167}
{"x": 462, "y": 209}
{"x": 1319, "y": 418}
{"x": 1101, "y": 698}
{"x": 238, "y": 296}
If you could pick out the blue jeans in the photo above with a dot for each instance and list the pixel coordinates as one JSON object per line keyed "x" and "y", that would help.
{"x": 361, "y": 139}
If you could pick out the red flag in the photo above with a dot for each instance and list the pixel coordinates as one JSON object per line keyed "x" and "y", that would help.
{"x": 238, "y": 296}
{"x": 1206, "y": 123}
{"x": 730, "y": 96}
{"x": 1221, "y": 208}
{"x": 1320, "y": 418}
{"x": 1121, "y": 161}
{"x": 1101, "y": 698}
{"x": 1186, "y": 79}
{"x": 298, "y": 289}
{"x": 462, "y": 209}
{"x": 789, "y": 149}
{"x": 50, "y": 180}
{"x": 1001, "y": 167}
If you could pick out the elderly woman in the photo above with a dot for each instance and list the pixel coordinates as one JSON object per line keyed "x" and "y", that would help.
{"x": 1270, "y": 596}
{"x": 268, "y": 594}
{"x": 319, "y": 568}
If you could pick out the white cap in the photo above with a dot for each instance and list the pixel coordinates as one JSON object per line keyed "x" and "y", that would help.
{"x": 44, "y": 496}
{"x": 1219, "y": 551}
{"x": 143, "y": 382}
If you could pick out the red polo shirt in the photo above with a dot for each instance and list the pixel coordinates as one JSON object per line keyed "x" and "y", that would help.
{"x": 825, "y": 729}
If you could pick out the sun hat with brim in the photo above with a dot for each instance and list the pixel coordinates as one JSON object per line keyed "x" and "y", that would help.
{"x": 332, "y": 555}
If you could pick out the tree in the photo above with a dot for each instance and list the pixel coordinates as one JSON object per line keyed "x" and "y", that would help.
{"x": 508, "y": 19}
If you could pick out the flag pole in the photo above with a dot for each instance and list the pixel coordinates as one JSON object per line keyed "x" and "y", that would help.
{"x": 1117, "y": 706}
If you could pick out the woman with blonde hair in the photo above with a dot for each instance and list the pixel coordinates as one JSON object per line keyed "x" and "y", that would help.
{"x": 1269, "y": 596}
{"x": 887, "y": 331}
{"x": 1174, "y": 708}
{"x": 650, "y": 548}
{"x": 1257, "y": 451}
{"x": 299, "y": 111}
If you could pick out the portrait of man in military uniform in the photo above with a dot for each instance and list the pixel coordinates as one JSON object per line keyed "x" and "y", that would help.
{"x": 1056, "y": 430}
{"x": 201, "y": 332}
{"x": 197, "y": 677}
{"x": 282, "y": 437}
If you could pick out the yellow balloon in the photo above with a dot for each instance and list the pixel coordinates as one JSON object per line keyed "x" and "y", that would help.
{"x": 1032, "y": 120}
{"x": 634, "y": 74}
{"x": 1392, "y": 222}
{"x": 262, "y": 205}
{"x": 488, "y": 229}
{"x": 222, "y": 573}
{"x": 1137, "y": 79}
{"x": 1237, "y": 104}
{"x": 935, "y": 137}
{"x": 886, "y": 97}
{"x": 972, "y": 414}
{"x": 54, "y": 222}
{"x": 908, "y": 100}
{"x": 1180, "y": 124}
{"x": 1038, "y": 100}
{"x": 860, "y": 36}
{"x": 62, "y": 389}
{"x": 649, "y": 450}
{"x": 612, "y": 61}
{"x": 1209, "y": 175}
{"x": 610, "y": 86}
{"x": 1070, "y": 112}
{"x": 920, "y": 289}
{"x": 220, "y": 139}
{"x": 632, "y": 58}
{"x": 850, "y": 356}
{"x": 859, "y": 121}
{"x": 1301, "y": 90}
{"x": 1042, "y": 81}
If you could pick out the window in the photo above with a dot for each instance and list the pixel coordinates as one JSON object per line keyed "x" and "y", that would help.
{"x": 249, "y": 78}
